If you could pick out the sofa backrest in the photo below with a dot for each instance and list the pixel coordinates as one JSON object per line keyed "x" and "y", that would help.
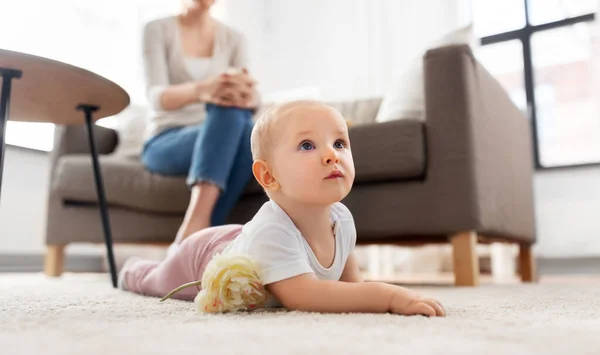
{"x": 358, "y": 111}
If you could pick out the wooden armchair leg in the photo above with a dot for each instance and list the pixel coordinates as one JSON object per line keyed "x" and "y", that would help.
{"x": 55, "y": 259}
{"x": 527, "y": 263}
{"x": 466, "y": 261}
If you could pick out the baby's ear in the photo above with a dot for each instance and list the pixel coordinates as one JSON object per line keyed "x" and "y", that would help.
{"x": 264, "y": 176}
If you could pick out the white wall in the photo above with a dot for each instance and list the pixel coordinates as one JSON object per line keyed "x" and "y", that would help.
{"x": 25, "y": 183}
{"x": 343, "y": 48}
{"x": 568, "y": 212}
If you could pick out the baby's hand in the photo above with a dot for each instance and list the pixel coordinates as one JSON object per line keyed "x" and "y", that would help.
{"x": 408, "y": 303}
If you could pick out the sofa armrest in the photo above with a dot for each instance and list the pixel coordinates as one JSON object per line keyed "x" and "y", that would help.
{"x": 479, "y": 143}
{"x": 388, "y": 151}
{"x": 73, "y": 139}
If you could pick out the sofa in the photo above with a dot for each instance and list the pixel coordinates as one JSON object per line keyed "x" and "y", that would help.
{"x": 462, "y": 175}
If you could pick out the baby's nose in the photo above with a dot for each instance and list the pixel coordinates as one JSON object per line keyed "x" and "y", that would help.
{"x": 330, "y": 157}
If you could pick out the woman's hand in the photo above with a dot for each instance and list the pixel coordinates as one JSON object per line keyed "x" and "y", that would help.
{"x": 230, "y": 89}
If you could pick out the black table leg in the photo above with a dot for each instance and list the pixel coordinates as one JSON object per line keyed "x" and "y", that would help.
{"x": 7, "y": 76}
{"x": 89, "y": 123}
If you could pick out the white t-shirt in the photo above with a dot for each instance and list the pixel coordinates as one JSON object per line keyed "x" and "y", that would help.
{"x": 274, "y": 242}
{"x": 197, "y": 66}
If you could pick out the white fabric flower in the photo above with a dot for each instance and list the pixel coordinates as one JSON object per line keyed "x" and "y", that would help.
{"x": 230, "y": 283}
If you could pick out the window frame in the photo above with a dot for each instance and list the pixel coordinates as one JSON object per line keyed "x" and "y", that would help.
{"x": 524, "y": 35}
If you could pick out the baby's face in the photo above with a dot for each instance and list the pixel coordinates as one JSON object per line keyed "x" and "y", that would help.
{"x": 311, "y": 157}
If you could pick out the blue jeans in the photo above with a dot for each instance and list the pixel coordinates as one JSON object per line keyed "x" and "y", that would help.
{"x": 216, "y": 151}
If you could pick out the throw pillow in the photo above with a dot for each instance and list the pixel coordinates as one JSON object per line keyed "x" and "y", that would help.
{"x": 407, "y": 98}
{"x": 131, "y": 124}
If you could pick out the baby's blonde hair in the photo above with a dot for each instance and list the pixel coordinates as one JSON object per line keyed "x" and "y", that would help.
{"x": 261, "y": 140}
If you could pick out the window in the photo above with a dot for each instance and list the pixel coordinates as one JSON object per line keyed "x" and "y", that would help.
{"x": 103, "y": 37}
{"x": 546, "y": 54}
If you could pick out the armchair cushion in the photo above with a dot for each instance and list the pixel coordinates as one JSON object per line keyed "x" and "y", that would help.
{"x": 126, "y": 182}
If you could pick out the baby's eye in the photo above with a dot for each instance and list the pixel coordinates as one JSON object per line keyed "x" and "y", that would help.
{"x": 339, "y": 144}
{"x": 306, "y": 146}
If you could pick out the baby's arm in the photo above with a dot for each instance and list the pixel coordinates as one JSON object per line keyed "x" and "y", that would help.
{"x": 307, "y": 293}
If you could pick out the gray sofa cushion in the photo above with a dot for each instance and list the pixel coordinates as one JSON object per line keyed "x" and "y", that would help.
{"x": 127, "y": 183}
{"x": 382, "y": 152}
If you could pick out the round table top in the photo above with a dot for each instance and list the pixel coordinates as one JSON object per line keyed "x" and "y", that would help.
{"x": 50, "y": 91}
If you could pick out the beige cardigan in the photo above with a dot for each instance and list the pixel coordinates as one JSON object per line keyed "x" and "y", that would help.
{"x": 164, "y": 66}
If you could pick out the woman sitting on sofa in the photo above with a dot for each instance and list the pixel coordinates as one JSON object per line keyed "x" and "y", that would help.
{"x": 202, "y": 110}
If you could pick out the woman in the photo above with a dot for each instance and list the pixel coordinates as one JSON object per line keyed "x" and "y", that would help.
{"x": 203, "y": 110}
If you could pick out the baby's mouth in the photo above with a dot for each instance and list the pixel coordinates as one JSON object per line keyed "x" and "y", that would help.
{"x": 334, "y": 175}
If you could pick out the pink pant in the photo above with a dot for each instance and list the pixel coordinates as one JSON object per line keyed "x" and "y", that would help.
{"x": 185, "y": 264}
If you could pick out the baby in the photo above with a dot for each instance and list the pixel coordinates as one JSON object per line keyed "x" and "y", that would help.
{"x": 302, "y": 238}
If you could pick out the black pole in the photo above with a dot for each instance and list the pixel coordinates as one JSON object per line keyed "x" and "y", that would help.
{"x": 528, "y": 71}
{"x": 7, "y": 76}
{"x": 89, "y": 123}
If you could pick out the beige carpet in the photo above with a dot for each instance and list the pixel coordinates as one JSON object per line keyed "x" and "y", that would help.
{"x": 82, "y": 314}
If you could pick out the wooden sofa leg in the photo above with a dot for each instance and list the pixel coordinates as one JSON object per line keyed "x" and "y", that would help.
{"x": 55, "y": 259}
{"x": 527, "y": 263}
{"x": 466, "y": 260}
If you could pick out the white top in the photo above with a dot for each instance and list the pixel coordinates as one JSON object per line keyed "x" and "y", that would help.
{"x": 274, "y": 242}
{"x": 197, "y": 66}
